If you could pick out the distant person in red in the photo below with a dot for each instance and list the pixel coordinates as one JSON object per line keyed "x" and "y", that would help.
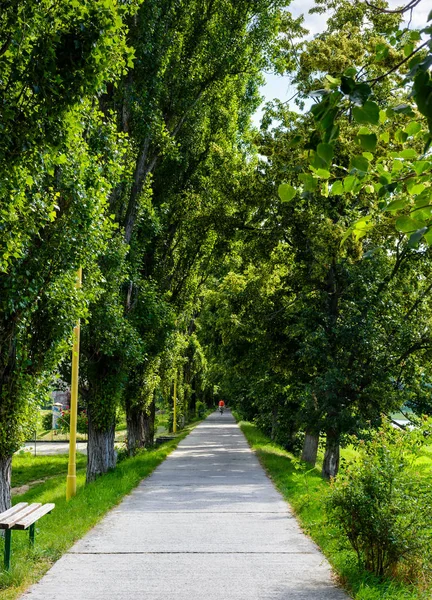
{"x": 221, "y": 406}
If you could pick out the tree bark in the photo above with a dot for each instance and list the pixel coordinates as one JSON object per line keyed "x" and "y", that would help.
{"x": 310, "y": 447}
{"x": 101, "y": 454}
{"x": 135, "y": 429}
{"x": 331, "y": 458}
{"x": 5, "y": 482}
{"x": 141, "y": 426}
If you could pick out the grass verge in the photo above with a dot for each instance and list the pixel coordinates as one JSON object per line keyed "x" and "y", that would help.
{"x": 27, "y": 468}
{"x": 56, "y": 532}
{"x": 305, "y": 490}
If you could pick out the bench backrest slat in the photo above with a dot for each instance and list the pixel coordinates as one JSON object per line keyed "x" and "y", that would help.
{"x": 11, "y": 511}
{"x": 10, "y": 521}
{"x": 31, "y": 518}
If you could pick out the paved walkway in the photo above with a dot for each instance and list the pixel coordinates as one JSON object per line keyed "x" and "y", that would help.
{"x": 44, "y": 448}
{"x": 206, "y": 525}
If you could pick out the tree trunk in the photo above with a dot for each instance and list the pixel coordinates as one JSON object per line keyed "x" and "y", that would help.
{"x": 310, "y": 447}
{"x": 101, "y": 454}
{"x": 5, "y": 482}
{"x": 331, "y": 458}
{"x": 135, "y": 429}
{"x": 140, "y": 426}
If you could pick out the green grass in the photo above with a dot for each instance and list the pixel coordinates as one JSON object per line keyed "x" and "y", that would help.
{"x": 27, "y": 468}
{"x": 69, "y": 521}
{"x": 305, "y": 490}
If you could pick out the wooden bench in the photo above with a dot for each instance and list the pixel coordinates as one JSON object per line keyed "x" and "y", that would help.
{"x": 21, "y": 516}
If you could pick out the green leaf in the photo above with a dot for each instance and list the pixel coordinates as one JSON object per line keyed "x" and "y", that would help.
{"x": 421, "y": 214}
{"x": 316, "y": 161}
{"x": 326, "y": 152}
{"x": 401, "y": 136}
{"x": 349, "y": 183}
{"x": 334, "y": 83}
{"x": 421, "y": 166}
{"x": 337, "y": 189}
{"x": 385, "y": 137}
{"x": 368, "y": 155}
{"x": 381, "y": 52}
{"x": 423, "y": 199}
{"x": 415, "y": 188}
{"x": 346, "y": 235}
{"x": 385, "y": 178}
{"x": 322, "y": 173}
{"x": 363, "y": 224}
{"x": 350, "y": 72}
{"x": 413, "y": 127}
{"x": 397, "y": 204}
{"x": 368, "y": 142}
{"x": 368, "y": 113}
{"x": 406, "y": 224}
{"x": 286, "y": 192}
{"x": 408, "y": 153}
{"x": 408, "y": 48}
{"x": 428, "y": 236}
{"x": 359, "y": 163}
{"x": 309, "y": 182}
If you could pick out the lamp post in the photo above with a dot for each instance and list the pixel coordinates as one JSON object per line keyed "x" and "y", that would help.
{"x": 71, "y": 477}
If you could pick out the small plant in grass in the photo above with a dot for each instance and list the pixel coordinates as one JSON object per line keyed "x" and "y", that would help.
{"x": 382, "y": 503}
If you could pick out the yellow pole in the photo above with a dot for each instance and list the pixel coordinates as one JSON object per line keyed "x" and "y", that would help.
{"x": 175, "y": 404}
{"x": 71, "y": 477}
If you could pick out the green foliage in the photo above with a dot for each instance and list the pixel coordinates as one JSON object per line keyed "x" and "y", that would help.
{"x": 63, "y": 421}
{"x": 60, "y": 157}
{"x": 382, "y": 504}
{"x": 305, "y": 490}
{"x": 200, "y": 409}
{"x": 395, "y": 165}
{"x": 47, "y": 421}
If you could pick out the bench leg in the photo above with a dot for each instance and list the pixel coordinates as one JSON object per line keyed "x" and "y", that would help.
{"x": 32, "y": 535}
{"x": 7, "y": 550}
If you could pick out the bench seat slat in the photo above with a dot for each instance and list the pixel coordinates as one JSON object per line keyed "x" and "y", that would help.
{"x": 9, "y": 522}
{"x": 11, "y": 511}
{"x": 28, "y": 520}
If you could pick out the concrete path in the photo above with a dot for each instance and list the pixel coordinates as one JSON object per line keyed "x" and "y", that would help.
{"x": 47, "y": 448}
{"x": 208, "y": 524}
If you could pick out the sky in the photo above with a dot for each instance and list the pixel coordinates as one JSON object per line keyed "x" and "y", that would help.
{"x": 279, "y": 87}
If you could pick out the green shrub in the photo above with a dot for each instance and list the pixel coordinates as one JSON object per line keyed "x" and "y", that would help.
{"x": 63, "y": 422}
{"x": 200, "y": 409}
{"x": 381, "y": 502}
{"x": 47, "y": 421}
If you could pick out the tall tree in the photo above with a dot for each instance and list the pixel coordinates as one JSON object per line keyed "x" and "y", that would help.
{"x": 57, "y": 167}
